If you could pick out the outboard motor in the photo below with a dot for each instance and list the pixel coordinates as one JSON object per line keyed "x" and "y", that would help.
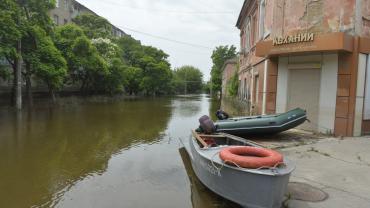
{"x": 222, "y": 115}
{"x": 207, "y": 125}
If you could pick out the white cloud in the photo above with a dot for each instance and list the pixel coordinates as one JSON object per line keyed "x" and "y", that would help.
{"x": 199, "y": 22}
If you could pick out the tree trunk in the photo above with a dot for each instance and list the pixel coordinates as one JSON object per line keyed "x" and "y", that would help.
{"x": 84, "y": 84}
{"x": 29, "y": 85}
{"x": 12, "y": 99}
{"x": 18, "y": 77}
{"x": 52, "y": 93}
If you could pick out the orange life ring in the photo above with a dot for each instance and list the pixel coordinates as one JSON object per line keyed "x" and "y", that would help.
{"x": 251, "y": 157}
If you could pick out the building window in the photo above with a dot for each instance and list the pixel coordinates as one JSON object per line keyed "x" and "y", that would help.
{"x": 66, "y": 4}
{"x": 56, "y": 19}
{"x": 247, "y": 35}
{"x": 262, "y": 19}
{"x": 57, "y": 3}
{"x": 65, "y": 21}
{"x": 254, "y": 30}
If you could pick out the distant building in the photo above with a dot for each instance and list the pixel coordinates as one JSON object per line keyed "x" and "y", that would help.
{"x": 308, "y": 54}
{"x": 66, "y": 10}
{"x": 228, "y": 71}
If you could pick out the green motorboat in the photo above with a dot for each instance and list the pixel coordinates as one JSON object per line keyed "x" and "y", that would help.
{"x": 253, "y": 125}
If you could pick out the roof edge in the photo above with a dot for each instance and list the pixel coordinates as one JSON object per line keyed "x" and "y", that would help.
{"x": 242, "y": 11}
{"x": 230, "y": 61}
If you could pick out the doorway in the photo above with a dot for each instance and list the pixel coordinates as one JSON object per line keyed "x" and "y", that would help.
{"x": 304, "y": 92}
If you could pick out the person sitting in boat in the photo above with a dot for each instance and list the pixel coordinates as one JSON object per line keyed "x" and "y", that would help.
{"x": 222, "y": 115}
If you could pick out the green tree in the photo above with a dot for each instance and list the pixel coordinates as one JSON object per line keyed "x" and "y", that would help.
{"x": 106, "y": 48}
{"x": 134, "y": 77}
{"x": 46, "y": 61}
{"x": 17, "y": 21}
{"x": 91, "y": 67}
{"x": 219, "y": 56}
{"x": 131, "y": 49}
{"x": 188, "y": 79}
{"x": 233, "y": 85}
{"x": 36, "y": 13}
{"x": 154, "y": 76}
{"x": 157, "y": 76}
{"x": 86, "y": 66}
{"x": 10, "y": 30}
{"x": 115, "y": 80}
{"x": 5, "y": 72}
{"x": 207, "y": 87}
{"x": 94, "y": 26}
{"x": 155, "y": 53}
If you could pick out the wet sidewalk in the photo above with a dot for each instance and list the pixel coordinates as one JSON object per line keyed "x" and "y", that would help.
{"x": 339, "y": 167}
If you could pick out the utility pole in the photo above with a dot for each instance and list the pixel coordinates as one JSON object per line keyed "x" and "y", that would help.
{"x": 18, "y": 77}
{"x": 18, "y": 72}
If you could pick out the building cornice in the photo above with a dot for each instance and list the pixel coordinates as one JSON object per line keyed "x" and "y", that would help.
{"x": 243, "y": 12}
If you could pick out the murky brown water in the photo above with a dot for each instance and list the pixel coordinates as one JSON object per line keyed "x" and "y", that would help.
{"x": 102, "y": 154}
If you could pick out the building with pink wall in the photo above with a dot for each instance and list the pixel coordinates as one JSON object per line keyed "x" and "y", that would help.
{"x": 312, "y": 54}
{"x": 228, "y": 71}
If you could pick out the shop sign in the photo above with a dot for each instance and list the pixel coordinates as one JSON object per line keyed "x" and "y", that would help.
{"x": 298, "y": 38}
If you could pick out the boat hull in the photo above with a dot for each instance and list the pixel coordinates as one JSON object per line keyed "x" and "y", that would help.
{"x": 268, "y": 124}
{"x": 249, "y": 189}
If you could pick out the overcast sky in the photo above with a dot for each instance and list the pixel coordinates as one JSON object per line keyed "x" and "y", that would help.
{"x": 203, "y": 23}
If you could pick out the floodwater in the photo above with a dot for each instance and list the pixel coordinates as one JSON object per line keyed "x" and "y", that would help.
{"x": 103, "y": 154}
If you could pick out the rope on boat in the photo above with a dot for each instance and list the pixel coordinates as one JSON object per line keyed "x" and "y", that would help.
{"x": 273, "y": 169}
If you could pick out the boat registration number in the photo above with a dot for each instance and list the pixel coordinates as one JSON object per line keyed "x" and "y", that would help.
{"x": 210, "y": 168}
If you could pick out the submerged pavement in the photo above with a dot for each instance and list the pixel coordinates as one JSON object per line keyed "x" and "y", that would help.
{"x": 338, "y": 166}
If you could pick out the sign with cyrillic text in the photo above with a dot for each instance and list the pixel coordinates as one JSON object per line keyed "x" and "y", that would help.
{"x": 298, "y": 38}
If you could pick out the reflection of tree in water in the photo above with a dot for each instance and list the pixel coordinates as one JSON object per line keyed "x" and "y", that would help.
{"x": 44, "y": 151}
{"x": 201, "y": 196}
{"x": 187, "y": 107}
{"x": 214, "y": 105}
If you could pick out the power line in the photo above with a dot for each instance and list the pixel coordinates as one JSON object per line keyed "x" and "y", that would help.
{"x": 173, "y": 11}
{"x": 168, "y": 39}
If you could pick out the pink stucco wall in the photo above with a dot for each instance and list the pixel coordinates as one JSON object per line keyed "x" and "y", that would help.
{"x": 318, "y": 16}
{"x": 284, "y": 17}
{"x": 227, "y": 74}
{"x": 365, "y": 18}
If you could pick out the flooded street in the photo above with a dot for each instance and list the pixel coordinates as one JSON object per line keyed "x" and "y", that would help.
{"x": 102, "y": 154}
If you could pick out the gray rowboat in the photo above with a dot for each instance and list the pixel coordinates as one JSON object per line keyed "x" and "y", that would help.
{"x": 252, "y": 188}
